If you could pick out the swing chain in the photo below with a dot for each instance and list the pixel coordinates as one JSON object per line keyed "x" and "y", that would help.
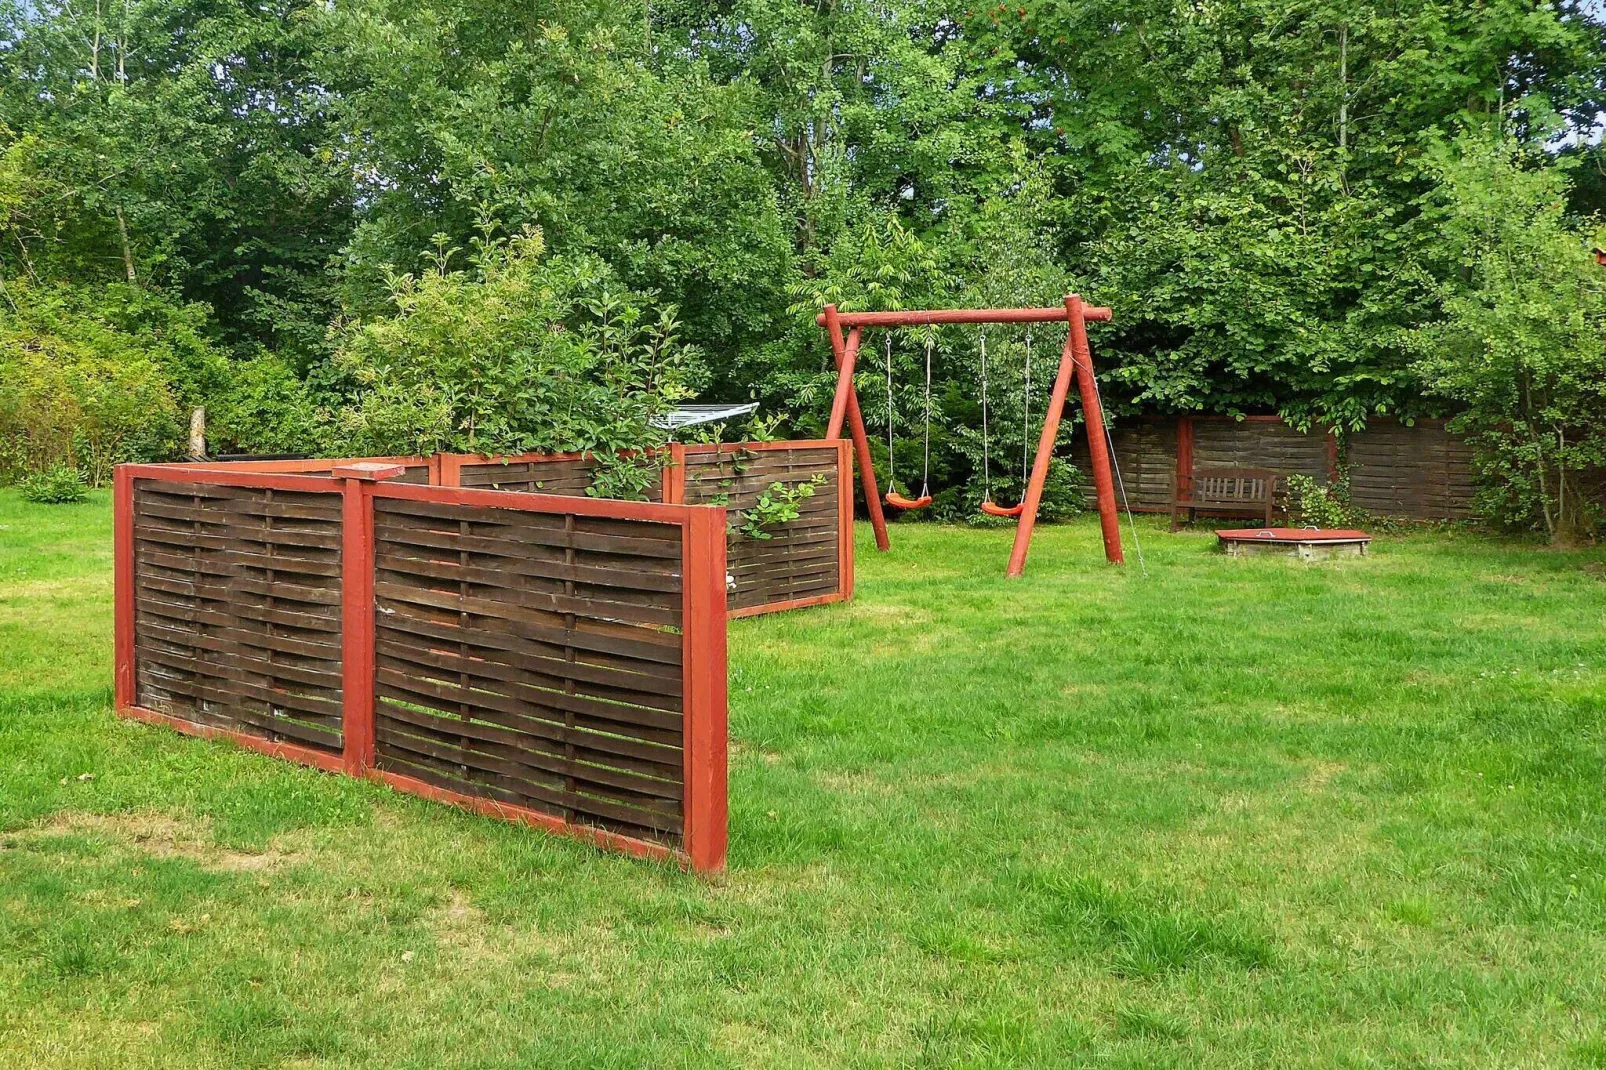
{"x": 925, "y": 471}
{"x": 986, "y": 460}
{"x": 1026, "y": 421}
{"x": 892, "y": 479}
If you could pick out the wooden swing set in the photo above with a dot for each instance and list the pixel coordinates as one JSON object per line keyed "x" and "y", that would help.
{"x": 1076, "y": 364}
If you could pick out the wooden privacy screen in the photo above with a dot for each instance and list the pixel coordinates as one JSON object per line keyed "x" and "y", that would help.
{"x": 807, "y": 561}
{"x": 803, "y": 562}
{"x": 1418, "y": 472}
{"x": 555, "y": 661}
{"x": 237, "y": 608}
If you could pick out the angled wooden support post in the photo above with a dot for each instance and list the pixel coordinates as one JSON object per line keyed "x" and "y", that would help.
{"x": 845, "y": 406}
{"x": 1098, "y": 443}
{"x": 1045, "y": 452}
{"x": 1076, "y": 362}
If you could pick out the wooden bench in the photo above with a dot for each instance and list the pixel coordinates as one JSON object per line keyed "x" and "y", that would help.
{"x": 1246, "y": 492}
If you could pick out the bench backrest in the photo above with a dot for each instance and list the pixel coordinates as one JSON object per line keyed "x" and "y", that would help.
{"x": 1236, "y": 485}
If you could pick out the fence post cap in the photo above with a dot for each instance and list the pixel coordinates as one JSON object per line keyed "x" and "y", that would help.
{"x": 368, "y": 470}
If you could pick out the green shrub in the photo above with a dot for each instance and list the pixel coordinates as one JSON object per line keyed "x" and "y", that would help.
{"x": 1320, "y": 505}
{"x": 519, "y": 354}
{"x": 87, "y": 374}
{"x": 57, "y": 485}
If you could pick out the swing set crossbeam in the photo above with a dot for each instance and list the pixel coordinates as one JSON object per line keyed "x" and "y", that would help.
{"x": 850, "y": 320}
{"x": 1076, "y": 363}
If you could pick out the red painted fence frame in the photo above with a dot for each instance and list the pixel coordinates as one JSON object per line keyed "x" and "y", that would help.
{"x": 447, "y": 470}
{"x": 704, "y": 731}
{"x": 1076, "y": 363}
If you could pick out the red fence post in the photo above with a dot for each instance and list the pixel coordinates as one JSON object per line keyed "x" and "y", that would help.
{"x": 704, "y": 738}
{"x": 674, "y": 477}
{"x": 357, "y": 621}
{"x": 844, "y": 518}
{"x": 123, "y": 586}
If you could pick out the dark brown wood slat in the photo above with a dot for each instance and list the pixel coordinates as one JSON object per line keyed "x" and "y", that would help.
{"x": 647, "y": 718}
{"x": 630, "y": 579}
{"x": 529, "y": 603}
{"x": 489, "y": 782}
{"x": 239, "y": 585}
{"x": 519, "y": 749}
{"x": 325, "y": 681}
{"x": 610, "y": 643}
{"x": 223, "y": 641}
{"x": 191, "y": 613}
{"x": 490, "y": 687}
{"x": 403, "y": 675}
{"x": 508, "y": 648}
{"x": 655, "y": 761}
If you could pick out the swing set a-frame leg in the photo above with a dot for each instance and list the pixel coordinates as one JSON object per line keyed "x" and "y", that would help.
{"x": 845, "y": 408}
{"x": 1076, "y": 357}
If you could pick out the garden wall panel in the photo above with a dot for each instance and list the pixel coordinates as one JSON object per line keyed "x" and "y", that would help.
{"x": 1420, "y": 471}
{"x": 237, "y": 613}
{"x": 533, "y": 659}
{"x": 569, "y": 475}
{"x": 804, "y": 560}
{"x": 1222, "y": 442}
{"x": 1145, "y": 453}
{"x": 555, "y": 662}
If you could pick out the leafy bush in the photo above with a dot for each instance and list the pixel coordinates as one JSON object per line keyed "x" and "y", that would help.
{"x": 267, "y": 408}
{"x": 1320, "y": 505}
{"x": 519, "y": 354}
{"x": 85, "y": 378}
{"x": 777, "y": 505}
{"x": 57, "y": 485}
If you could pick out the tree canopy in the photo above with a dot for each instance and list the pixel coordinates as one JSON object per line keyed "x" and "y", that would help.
{"x": 1258, "y": 188}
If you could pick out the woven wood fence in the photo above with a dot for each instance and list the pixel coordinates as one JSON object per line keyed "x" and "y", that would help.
{"x": 559, "y": 662}
{"x": 1418, "y": 472}
{"x": 802, "y": 562}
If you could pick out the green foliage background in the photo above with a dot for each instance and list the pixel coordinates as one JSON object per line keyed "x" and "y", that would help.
{"x": 1266, "y": 191}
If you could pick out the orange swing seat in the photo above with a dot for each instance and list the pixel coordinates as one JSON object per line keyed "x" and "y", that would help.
{"x": 993, "y": 509}
{"x": 898, "y": 501}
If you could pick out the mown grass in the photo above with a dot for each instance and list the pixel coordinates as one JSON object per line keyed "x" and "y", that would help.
{"x": 1230, "y": 813}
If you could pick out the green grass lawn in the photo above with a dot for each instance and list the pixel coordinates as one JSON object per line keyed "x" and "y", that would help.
{"x": 1231, "y": 813}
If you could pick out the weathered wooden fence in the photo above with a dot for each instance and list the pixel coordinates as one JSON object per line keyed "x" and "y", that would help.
{"x": 1419, "y": 472}
{"x": 557, "y": 661}
{"x": 802, "y": 562}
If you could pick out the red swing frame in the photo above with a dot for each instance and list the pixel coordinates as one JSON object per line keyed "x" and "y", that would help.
{"x": 1076, "y": 364}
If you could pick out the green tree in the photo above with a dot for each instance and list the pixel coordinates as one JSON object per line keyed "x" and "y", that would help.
{"x": 1522, "y": 342}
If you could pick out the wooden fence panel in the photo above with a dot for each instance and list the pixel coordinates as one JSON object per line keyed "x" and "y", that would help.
{"x": 1146, "y": 456}
{"x": 568, "y": 475}
{"x": 804, "y": 561}
{"x": 236, "y": 609}
{"x": 560, "y": 664}
{"x": 1421, "y": 471}
{"x": 1223, "y": 442}
{"x": 533, "y": 659}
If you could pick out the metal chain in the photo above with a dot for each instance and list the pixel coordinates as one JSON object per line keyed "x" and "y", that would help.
{"x": 925, "y": 472}
{"x": 986, "y": 460}
{"x": 892, "y": 480}
{"x": 1026, "y": 422}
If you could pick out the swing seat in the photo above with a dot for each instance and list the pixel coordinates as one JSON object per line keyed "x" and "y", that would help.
{"x": 992, "y": 509}
{"x": 898, "y": 501}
